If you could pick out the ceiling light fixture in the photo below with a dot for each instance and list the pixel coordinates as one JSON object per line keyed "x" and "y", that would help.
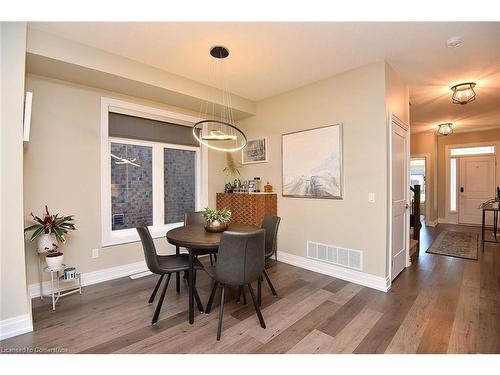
{"x": 463, "y": 93}
{"x": 454, "y": 42}
{"x": 445, "y": 129}
{"x": 217, "y": 130}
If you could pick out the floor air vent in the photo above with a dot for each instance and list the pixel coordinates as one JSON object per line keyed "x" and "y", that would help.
{"x": 336, "y": 255}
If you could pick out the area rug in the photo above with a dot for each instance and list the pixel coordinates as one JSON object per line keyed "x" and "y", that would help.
{"x": 456, "y": 244}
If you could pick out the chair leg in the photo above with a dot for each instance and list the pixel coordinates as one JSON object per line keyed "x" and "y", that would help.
{"x": 257, "y": 309}
{"x": 244, "y": 295}
{"x": 270, "y": 284}
{"x": 221, "y": 313}
{"x": 211, "y": 299}
{"x": 178, "y": 282}
{"x": 259, "y": 291}
{"x": 238, "y": 297}
{"x": 152, "y": 298}
{"x": 160, "y": 302}
{"x": 211, "y": 260}
{"x": 215, "y": 256}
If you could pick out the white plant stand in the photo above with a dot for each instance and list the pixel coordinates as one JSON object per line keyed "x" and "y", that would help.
{"x": 55, "y": 284}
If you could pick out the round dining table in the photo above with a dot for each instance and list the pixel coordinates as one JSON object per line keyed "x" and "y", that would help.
{"x": 193, "y": 238}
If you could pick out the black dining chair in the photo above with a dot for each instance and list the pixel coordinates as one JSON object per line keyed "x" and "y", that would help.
{"x": 196, "y": 217}
{"x": 240, "y": 261}
{"x": 165, "y": 265}
{"x": 270, "y": 224}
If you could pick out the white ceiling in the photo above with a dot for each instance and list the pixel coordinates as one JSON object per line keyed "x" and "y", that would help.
{"x": 271, "y": 58}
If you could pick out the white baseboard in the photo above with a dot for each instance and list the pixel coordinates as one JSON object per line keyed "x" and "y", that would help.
{"x": 375, "y": 282}
{"x": 15, "y": 326}
{"x": 431, "y": 223}
{"x": 95, "y": 277}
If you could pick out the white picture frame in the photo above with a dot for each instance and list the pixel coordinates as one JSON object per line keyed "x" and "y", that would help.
{"x": 255, "y": 151}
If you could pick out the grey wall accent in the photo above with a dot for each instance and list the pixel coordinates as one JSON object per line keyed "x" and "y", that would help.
{"x": 125, "y": 126}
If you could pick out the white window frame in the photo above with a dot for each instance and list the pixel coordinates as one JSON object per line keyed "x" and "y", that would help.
{"x": 159, "y": 228}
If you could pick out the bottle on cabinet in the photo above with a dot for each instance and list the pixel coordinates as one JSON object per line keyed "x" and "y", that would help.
{"x": 257, "y": 184}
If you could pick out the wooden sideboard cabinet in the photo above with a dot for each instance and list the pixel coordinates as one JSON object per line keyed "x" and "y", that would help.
{"x": 248, "y": 208}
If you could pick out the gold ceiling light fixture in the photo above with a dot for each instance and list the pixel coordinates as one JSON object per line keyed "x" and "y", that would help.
{"x": 216, "y": 130}
{"x": 463, "y": 93}
{"x": 445, "y": 129}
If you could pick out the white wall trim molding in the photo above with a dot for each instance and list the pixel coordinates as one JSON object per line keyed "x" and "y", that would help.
{"x": 431, "y": 223}
{"x": 15, "y": 326}
{"x": 95, "y": 277}
{"x": 357, "y": 277}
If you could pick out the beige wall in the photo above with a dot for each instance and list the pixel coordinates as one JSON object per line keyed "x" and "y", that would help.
{"x": 492, "y": 136}
{"x": 426, "y": 144}
{"x": 356, "y": 99}
{"x": 13, "y": 293}
{"x": 61, "y": 169}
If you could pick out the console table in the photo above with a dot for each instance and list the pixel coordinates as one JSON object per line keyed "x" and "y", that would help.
{"x": 248, "y": 208}
{"x": 495, "y": 224}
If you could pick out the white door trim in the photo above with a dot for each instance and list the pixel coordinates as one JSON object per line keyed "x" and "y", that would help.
{"x": 399, "y": 122}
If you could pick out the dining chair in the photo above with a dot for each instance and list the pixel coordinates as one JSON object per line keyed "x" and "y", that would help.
{"x": 240, "y": 261}
{"x": 196, "y": 217}
{"x": 270, "y": 224}
{"x": 165, "y": 265}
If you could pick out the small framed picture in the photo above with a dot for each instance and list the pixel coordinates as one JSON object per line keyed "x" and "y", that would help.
{"x": 255, "y": 151}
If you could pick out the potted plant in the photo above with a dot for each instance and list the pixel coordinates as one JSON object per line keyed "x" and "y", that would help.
{"x": 50, "y": 231}
{"x": 495, "y": 202}
{"x": 216, "y": 220}
{"x": 231, "y": 170}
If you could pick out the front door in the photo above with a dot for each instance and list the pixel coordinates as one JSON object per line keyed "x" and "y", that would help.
{"x": 477, "y": 184}
{"x": 400, "y": 192}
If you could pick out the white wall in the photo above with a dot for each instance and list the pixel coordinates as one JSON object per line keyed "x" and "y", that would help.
{"x": 14, "y": 305}
{"x": 61, "y": 169}
{"x": 356, "y": 99}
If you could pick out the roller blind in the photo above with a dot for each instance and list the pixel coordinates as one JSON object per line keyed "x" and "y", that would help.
{"x": 126, "y": 126}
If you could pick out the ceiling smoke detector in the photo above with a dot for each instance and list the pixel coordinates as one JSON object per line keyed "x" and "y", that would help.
{"x": 454, "y": 42}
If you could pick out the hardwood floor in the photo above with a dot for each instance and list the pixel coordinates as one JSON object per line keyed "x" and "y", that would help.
{"x": 438, "y": 305}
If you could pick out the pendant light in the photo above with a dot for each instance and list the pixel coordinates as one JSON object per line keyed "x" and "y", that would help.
{"x": 217, "y": 130}
{"x": 463, "y": 93}
{"x": 445, "y": 129}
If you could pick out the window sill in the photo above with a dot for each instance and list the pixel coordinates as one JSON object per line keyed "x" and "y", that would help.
{"x": 130, "y": 235}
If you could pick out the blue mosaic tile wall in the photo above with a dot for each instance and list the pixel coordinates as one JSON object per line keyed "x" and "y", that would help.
{"x": 131, "y": 186}
{"x": 179, "y": 184}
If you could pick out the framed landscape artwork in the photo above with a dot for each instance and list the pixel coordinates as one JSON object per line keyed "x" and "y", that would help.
{"x": 312, "y": 163}
{"x": 255, "y": 151}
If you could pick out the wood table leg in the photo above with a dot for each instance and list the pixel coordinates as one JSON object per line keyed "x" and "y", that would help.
{"x": 191, "y": 287}
{"x": 177, "y": 274}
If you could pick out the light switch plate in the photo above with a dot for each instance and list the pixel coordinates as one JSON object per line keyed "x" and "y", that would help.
{"x": 371, "y": 197}
{"x": 95, "y": 253}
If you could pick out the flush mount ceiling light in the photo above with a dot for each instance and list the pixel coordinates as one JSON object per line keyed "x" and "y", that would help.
{"x": 445, "y": 129}
{"x": 463, "y": 93}
{"x": 217, "y": 130}
{"x": 454, "y": 42}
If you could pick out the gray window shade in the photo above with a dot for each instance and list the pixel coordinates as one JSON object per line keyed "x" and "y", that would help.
{"x": 125, "y": 126}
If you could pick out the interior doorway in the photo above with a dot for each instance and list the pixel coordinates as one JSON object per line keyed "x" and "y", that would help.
{"x": 418, "y": 172}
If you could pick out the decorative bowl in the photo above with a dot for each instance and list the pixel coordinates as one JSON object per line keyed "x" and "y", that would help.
{"x": 216, "y": 226}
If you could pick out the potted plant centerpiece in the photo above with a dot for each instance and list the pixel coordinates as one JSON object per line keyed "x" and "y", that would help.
{"x": 50, "y": 231}
{"x": 217, "y": 221}
{"x": 495, "y": 202}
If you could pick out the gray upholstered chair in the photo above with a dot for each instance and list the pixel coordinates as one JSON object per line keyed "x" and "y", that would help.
{"x": 240, "y": 261}
{"x": 270, "y": 224}
{"x": 165, "y": 265}
{"x": 196, "y": 217}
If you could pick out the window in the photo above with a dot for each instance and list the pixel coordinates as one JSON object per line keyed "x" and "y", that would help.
{"x": 152, "y": 171}
{"x": 150, "y": 182}
{"x": 480, "y": 150}
{"x": 453, "y": 185}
